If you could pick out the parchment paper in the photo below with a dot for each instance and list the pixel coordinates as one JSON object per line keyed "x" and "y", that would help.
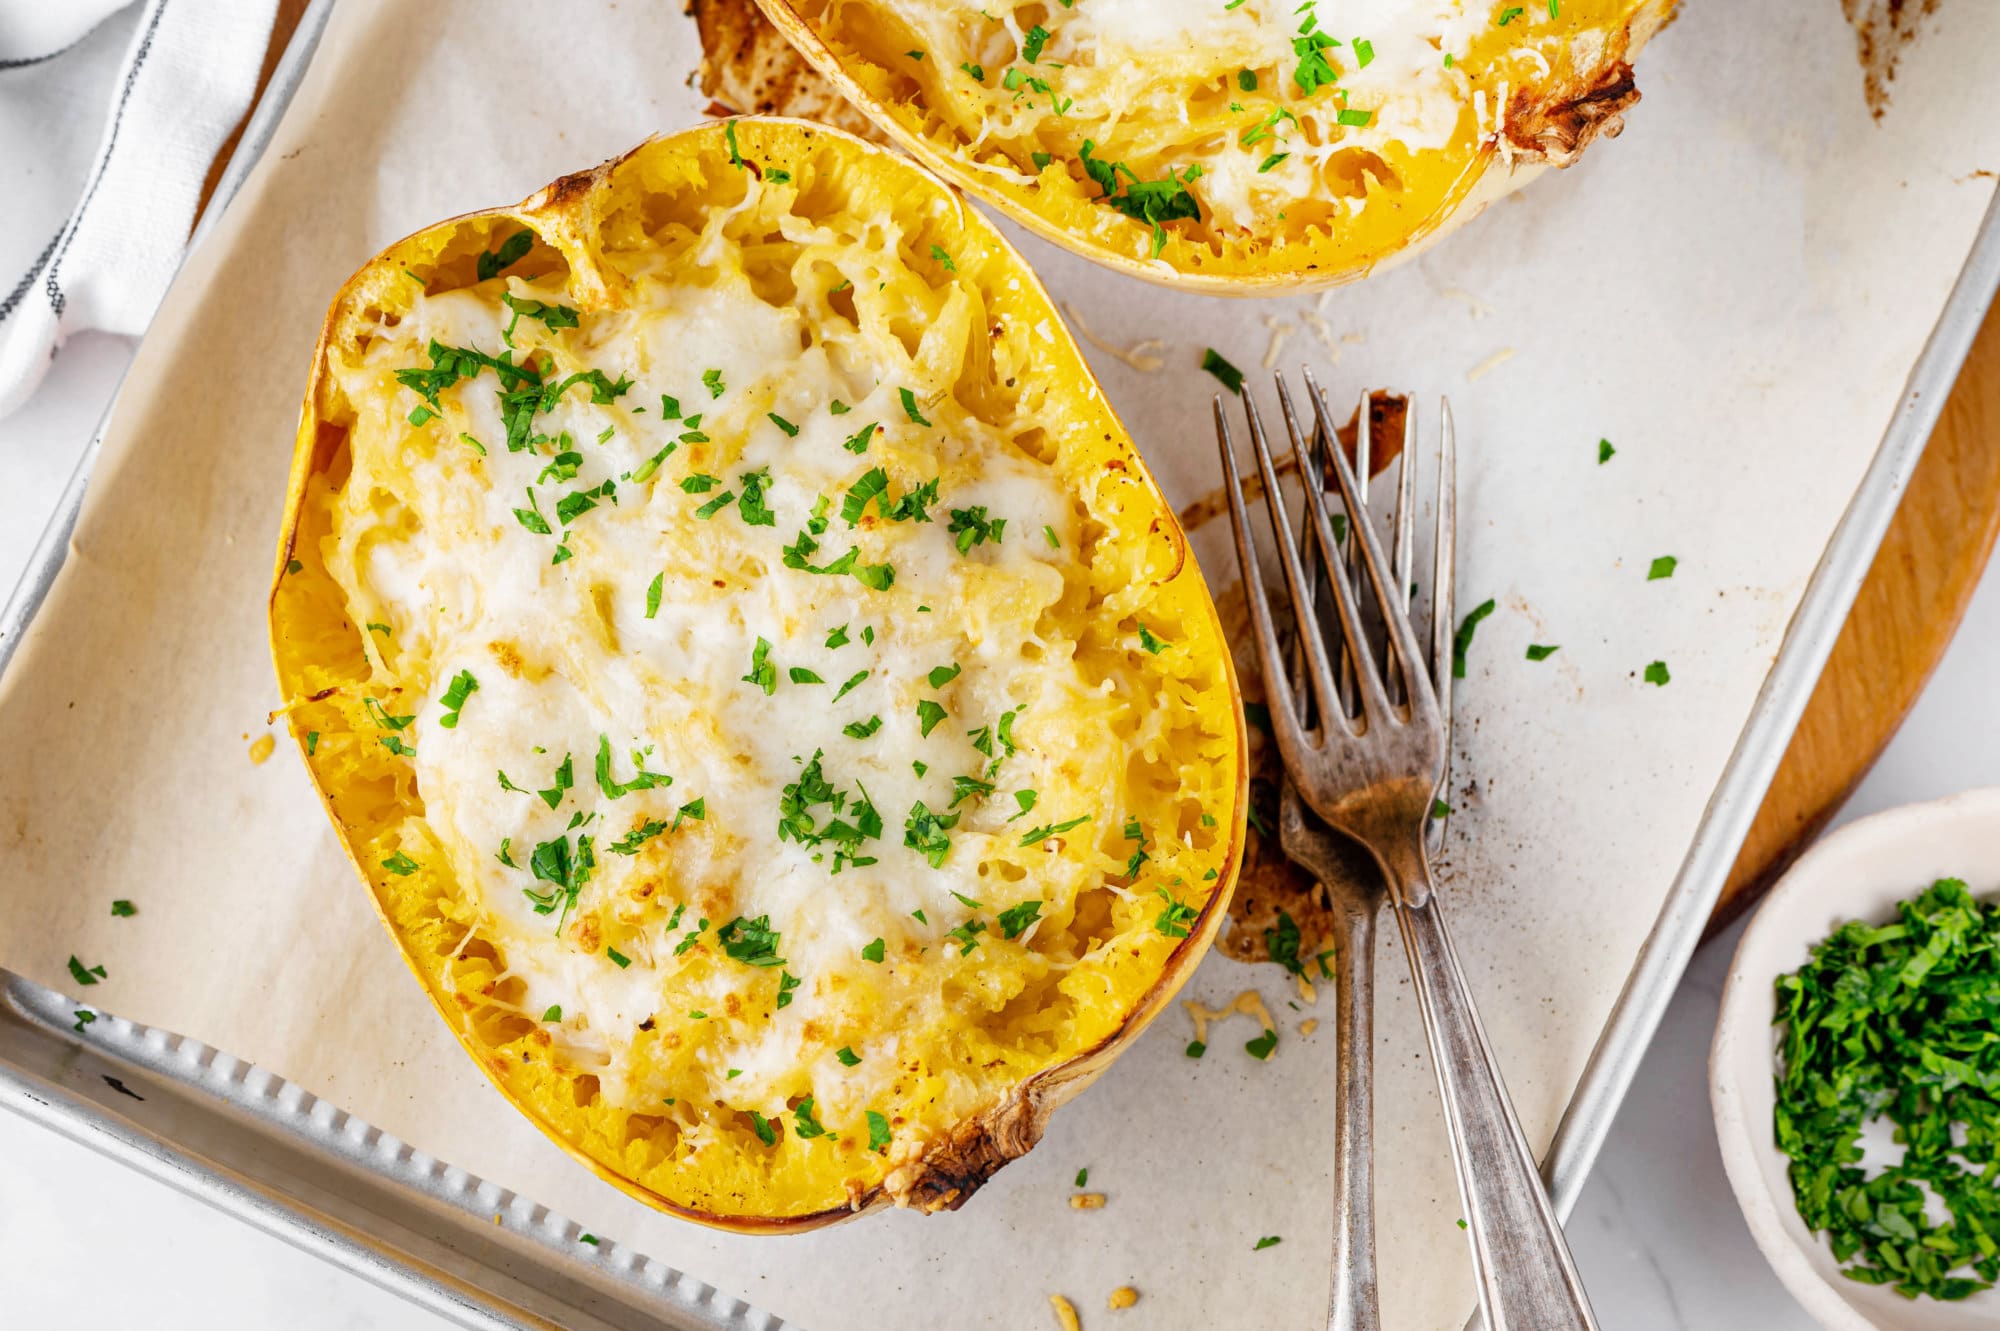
{"x": 1732, "y": 294}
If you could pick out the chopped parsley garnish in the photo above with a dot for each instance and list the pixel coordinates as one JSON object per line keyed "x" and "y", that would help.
{"x": 786, "y": 983}
{"x": 1047, "y": 830}
{"x": 805, "y": 1125}
{"x": 858, "y": 441}
{"x": 910, "y": 406}
{"x": 782, "y": 423}
{"x": 1656, "y": 673}
{"x": 1261, "y": 1048}
{"x": 765, "y": 1132}
{"x": 564, "y": 779}
{"x": 1281, "y": 943}
{"x": 1015, "y": 919}
{"x": 1268, "y": 1241}
{"x": 1230, "y": 377}
{"x": 974, "y": 72}
{"x": 550, "y": 315}
{"x": 629, "y": 843}
{"x": 762, "y": 673}
{"x": 1354, "y": 117}
{"x": 878, "y": 1132}
{"x": 801, "y": 675}
{"x": 837, "y": 637}
{"x": 553, "y": 1012}
{"x": 848, "y": 1058}
{"x": 862, "y": 729}
{"x": 1174, "y": 919}
{"x": 712, "y": 381}
{"x": 1151, "y": 641}
{"x": 1246, "y": 79}
{"x": 1461, "y": 641}
{"x": 512, "y": 250}
{"x": 873, "y": 951}
{"x": 929, "y": 713}
{"x": 853, "y": 819}
{"x": 699, "y": 483}
{"x": 531, "y": 517}
{"x": 752, "y": 942}
{"x": 653, "y": 592}
{"x": 754, "y": 510}
{"x": 123, "y": 908}
{"x": 617, "y": 958}
{"x": 943, "y": 675}
{"x": 1151, "y": 201}
{"x": 1605, "y": 452}
{"x": 1663, "y": 567}
{"x": 85, "y": 974}
{"x": 641, "y": 780}
{"x": 1026, "y": 799}
{"x": 463, "y": 686}
{"x": 1195, "y": 1049}
{"x": 401, "y": 865}
{"x": 970, "y": 527}
{"x": 686, "y": 944}
{"x": 1032, "y": 42}
{"x": 925, "y": 832}
{"x": 850, "y": 684}
{"x": 944, "y": 260}
{"x": 715, "y": 505}
{"x": 965, "y": 788}
{"x": 967, "y": 936}
{"x": 565, "y": 868}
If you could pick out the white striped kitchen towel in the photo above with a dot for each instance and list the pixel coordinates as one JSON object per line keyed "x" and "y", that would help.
{"x": 111, "y": 112}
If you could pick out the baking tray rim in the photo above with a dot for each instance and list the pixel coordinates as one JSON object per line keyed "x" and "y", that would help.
{"x": 44, "y": 1096}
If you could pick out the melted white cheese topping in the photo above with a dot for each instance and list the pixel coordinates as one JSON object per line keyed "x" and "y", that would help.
{"x": 1124, "y": 67}
{"x": 568, "y": 655}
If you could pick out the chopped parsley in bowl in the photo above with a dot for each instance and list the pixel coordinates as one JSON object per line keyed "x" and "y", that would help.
{"x": 1855, "y": 1074}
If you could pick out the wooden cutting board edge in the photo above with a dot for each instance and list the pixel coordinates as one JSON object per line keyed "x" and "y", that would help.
{"x": 1916, "y": 593}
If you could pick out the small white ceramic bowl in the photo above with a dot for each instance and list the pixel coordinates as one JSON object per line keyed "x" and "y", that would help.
{"x": 1858, "y": 873}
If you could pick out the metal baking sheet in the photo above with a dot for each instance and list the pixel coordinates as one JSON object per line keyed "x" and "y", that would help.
{"x": 246, "y": 1141}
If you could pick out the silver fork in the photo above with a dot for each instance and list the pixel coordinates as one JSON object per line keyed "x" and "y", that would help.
{"x": 1350, "y": 880}
{"x": 1373, "y": 772}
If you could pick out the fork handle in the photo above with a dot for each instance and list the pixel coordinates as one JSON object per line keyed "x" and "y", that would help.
{"x": 1354, "y": 1304}
{"x": 1527, "y": 1281}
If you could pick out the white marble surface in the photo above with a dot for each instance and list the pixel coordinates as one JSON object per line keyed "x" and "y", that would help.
{"x": 1656, "y": 1232}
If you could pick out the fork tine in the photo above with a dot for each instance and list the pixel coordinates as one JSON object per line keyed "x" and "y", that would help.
{"x": 1276, "y": 683}
{"x": 1406, "y": 508}
{"x": 1325, "y": 692}
{"x": 1402, "y": 639}
{"x": 1352, "y": 625}
{"x": 1310, "y": 447}
{"x": 1406, "y": 516}
{"x": 1443, "y": 599}
{"x": 1364, "y": 469}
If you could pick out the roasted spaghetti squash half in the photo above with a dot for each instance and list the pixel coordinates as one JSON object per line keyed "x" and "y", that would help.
{"x": 1234, "y": 147}
{"x": 775, "y": 712}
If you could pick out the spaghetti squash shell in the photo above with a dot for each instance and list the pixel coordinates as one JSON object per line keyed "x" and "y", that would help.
{"x": 307, "y": 612}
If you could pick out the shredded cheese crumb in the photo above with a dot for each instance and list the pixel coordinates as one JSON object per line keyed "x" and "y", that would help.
{"x": 1139, "y": 355}
{"x": 1249, "y": 1002}
{"x": 1307, "y": 994}
{"x": 1087, "y": 1201}
{"x": 260, "y": 749}
{"x": 1065, "y": 1313}
{"x": 1279, "y": 332}
{"x": 1308, "y": 1026}
{"x": 1124, "y": 1297}
{"x": 1490, "y": 364}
